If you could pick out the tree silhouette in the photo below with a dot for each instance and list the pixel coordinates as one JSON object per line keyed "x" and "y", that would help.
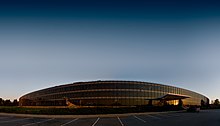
{"x": 202, "y": 103}
{"x": 7, "y": 103}
{"x": 15, "y": 102}
{"x": 180, "y": 103}
{"x": 216, "y": 102}
{"x": 1, "y": 102}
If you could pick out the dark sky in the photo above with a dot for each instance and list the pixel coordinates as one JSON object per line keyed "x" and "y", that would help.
{"x": 45, "y": 43}
{"x": 149, "y": 9}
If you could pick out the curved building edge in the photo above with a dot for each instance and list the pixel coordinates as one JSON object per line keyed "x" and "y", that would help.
{"x": 111, "y": 93}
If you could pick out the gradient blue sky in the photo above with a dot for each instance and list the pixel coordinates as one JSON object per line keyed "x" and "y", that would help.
{"x": 44, "y": 43}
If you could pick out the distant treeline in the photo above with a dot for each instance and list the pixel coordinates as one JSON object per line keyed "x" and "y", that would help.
{"x": 8, "y": 102}
{"x": 215, "y": 104}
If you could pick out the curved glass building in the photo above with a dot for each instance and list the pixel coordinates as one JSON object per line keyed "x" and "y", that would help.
{"x": 112, "y": 93}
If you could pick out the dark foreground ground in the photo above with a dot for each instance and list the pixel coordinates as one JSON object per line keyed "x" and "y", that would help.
{"x": 203, "y": 118}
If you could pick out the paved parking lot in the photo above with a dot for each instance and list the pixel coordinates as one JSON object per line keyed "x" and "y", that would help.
{"x": 204, "y": 118}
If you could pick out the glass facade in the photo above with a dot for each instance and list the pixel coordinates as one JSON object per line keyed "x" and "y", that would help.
{"x": 109, "y": 93}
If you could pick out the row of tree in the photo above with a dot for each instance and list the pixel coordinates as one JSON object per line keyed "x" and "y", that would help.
{"x": 8, "y": 102}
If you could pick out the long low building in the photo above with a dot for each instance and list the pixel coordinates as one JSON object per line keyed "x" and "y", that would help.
{"x": 112, "y": 93}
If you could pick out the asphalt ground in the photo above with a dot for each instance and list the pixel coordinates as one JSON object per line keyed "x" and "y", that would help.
{"x": 203, "y": 118}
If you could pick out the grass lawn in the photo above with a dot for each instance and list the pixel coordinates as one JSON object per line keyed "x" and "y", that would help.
{"x": 78, "y": 111}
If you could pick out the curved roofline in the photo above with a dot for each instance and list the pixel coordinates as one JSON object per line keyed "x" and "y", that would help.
{"x": 65, "y": 85}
